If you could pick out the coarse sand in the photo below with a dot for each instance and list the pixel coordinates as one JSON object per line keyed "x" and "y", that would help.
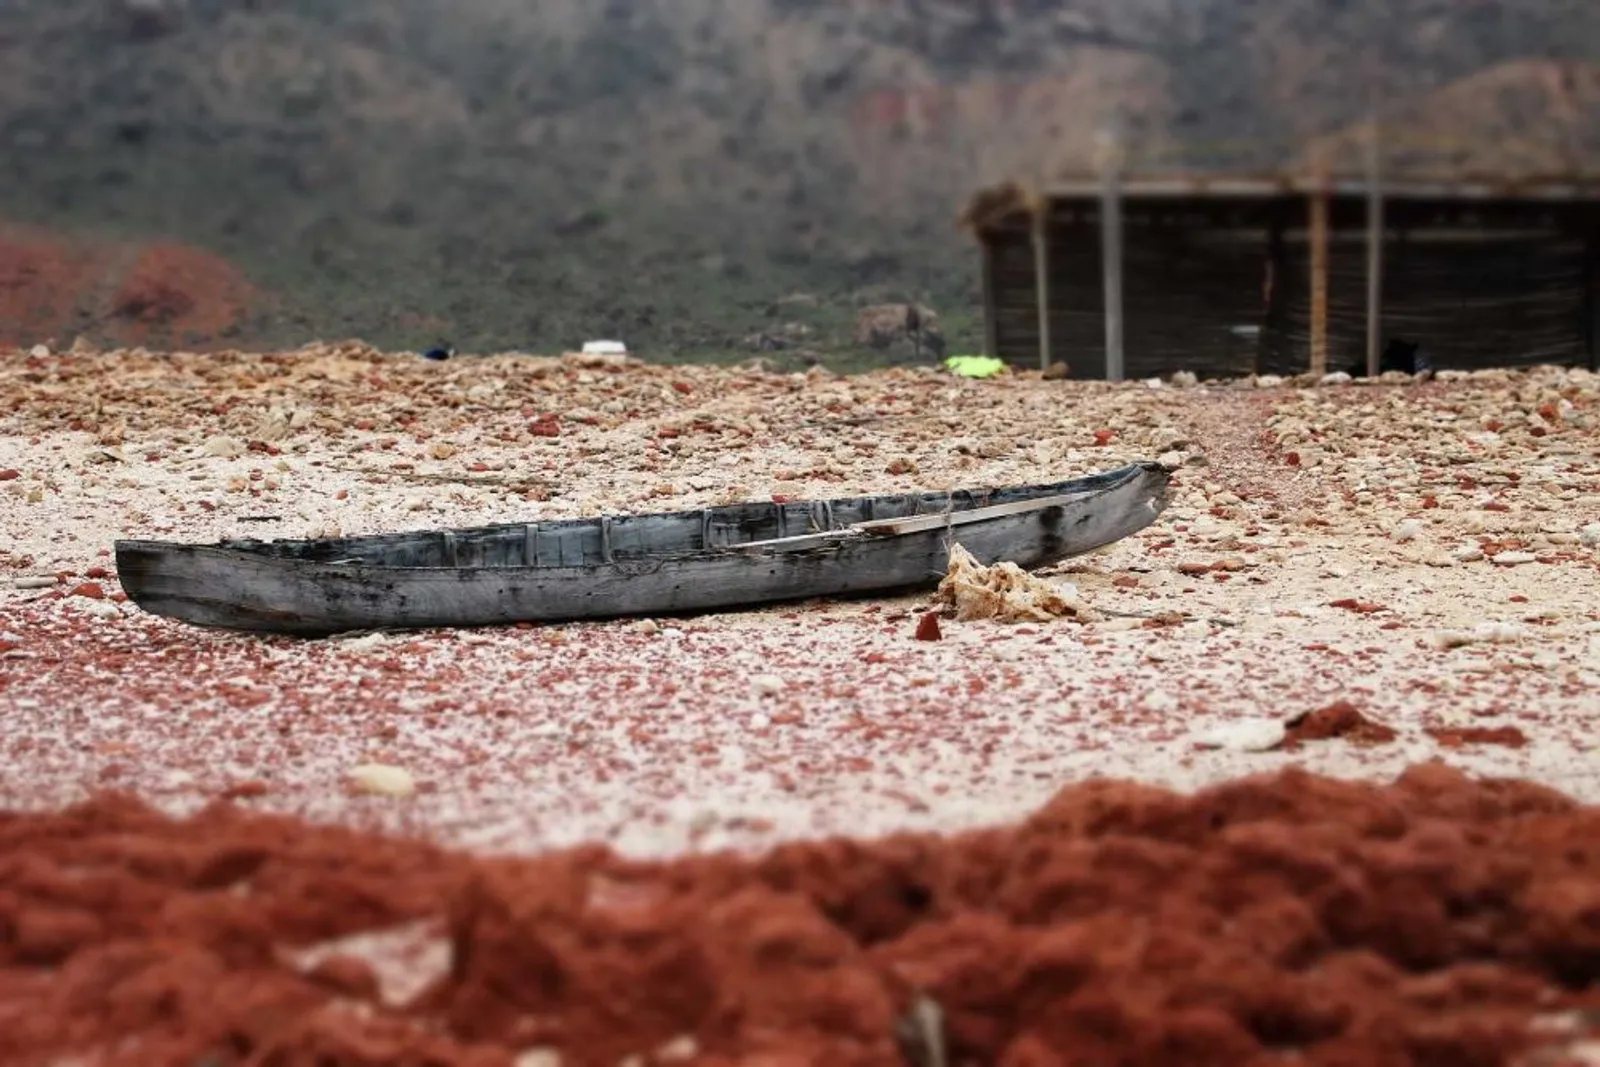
{"x": 1323, "y": 545}
{"x": 1351, "y": 580}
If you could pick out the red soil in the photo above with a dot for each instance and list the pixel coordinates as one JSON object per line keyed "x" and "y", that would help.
{"x": 41, "y": 280}
{"x": 1270, "y": 920}
{"x": 54, "y": 289}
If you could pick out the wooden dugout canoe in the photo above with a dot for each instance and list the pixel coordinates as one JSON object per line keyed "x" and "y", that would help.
{"x": 737, "y": 555}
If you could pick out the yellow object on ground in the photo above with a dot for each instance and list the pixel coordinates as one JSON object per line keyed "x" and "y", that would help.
{"x": 976, "y": 366}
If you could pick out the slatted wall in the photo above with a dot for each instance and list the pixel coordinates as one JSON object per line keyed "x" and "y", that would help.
{"x": 1192, "y": 294}
{"x": 1491, "y": 300}
{"x": 1185, "y": 293}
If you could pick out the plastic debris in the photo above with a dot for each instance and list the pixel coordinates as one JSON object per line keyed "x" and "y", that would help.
{"x": 976, "y": 366}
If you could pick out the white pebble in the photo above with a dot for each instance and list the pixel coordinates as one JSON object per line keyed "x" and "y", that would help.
{"x": 1168, "y": 439}
{"x": 1268, "y": 381}
{"x": 1467, "y": 554}
{"x": 100, "y": 609}
{"x": 1184, "y": 379}
{"x": 381, "y": 779}
{"x": 1513, "y": 559}
{"x": 39, "y": 351}
{"x": 223, "y": 447}
{"x": 682, "y": 1047}
{"x": 767, "y": 685}
{"x": 1246, "y": 735}
{"x": 1407, "y": 530}
{"x": 1491, "y": 633}
{"x": 365, "y": 642}
{"x": 538, "y": 1057}
{"x": 1590, "y": 535}
{"x": 1337, "y": 377}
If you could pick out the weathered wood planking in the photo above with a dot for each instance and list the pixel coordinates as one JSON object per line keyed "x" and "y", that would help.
{"x": 1184, "y": 292}
{"x": 1478, "y": 284}
{"x": 737, "y": 555}
{"x": 1493, "y": 301}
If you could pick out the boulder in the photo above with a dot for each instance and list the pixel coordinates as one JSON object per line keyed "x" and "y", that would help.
{"x": 909, "y": 330}
{"x": 146, "y": 20}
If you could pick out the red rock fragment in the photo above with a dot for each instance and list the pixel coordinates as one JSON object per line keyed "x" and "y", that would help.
{"x": 928, "y": 627}
{"x": 1342, "y": 720}
{"x": 1360, "y": 607}
{"x": 1455, "y": 737}
{"x": 246, "y": 790}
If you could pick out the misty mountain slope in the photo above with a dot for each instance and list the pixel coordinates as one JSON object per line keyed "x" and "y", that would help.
{"x": 516, "y": 175}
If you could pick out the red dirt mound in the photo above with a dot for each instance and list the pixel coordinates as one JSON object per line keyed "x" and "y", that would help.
{"x": 41, "y": 280}
{"x": 1271, "y": 920}
{"x": 54, "y": 289}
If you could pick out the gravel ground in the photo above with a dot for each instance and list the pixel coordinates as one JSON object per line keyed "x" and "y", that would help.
{"x": 1426, "y": 552}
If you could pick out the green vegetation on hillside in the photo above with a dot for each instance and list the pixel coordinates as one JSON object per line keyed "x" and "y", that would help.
{"x": 512, "y": 175}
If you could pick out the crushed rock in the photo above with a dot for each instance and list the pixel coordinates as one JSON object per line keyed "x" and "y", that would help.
{"x": 1005, "y": 592}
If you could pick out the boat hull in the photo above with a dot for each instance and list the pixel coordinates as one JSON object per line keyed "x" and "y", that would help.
{"x": 232, "y": 588}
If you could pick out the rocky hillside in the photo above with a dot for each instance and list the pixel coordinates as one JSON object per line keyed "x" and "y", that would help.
{"x": 504, "y": 174}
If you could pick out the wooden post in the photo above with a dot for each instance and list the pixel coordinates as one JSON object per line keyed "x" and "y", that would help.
{"x": 1319, "y": 280}
{"x": 1271, "y": 299}
{"x": 1041, "y": 272}
{"x": 1111, "y": 250}
{"x": 1591, "y": 296}
{"x": 1374, "y": 253}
